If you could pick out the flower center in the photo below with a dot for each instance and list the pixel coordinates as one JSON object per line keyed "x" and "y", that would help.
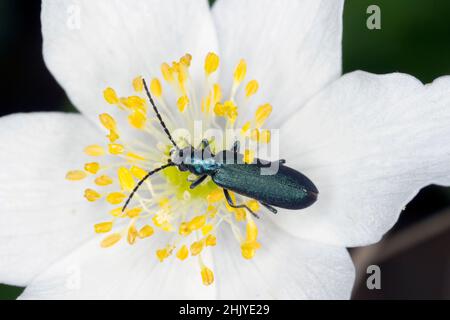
{"x": 188, "y": 218}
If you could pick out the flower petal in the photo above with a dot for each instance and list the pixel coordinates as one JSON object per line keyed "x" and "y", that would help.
{"x": 92, "y": 45}
{"x": 292, "y": 47}
{"x": 120, "y": 272}
{"x": 42, "y": 215}
{"x": 283, "y": 268}
{"x": 369, "y": 143}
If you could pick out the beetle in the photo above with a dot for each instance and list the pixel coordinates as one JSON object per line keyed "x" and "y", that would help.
{"x": 287, "y": 188}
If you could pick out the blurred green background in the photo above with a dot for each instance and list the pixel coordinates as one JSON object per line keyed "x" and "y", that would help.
{"x": 414, "y": 38}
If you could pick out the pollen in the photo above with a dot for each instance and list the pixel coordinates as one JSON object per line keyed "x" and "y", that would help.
{"x": 262, "y": 113}
{"x": 182, "y": 103}
{"x": 207, "y": 276}
{"x": 145, "y": 232}
{"x": 110, "y": 96}
{"x": 183, "y": 253}
{"x": 251, "y": 88}
{"x": 197, "y": 223}
{"x": 211, "y": 240}
{"x": 211, "y": 63}
{"x": 92, "y": 167}
{"x": 197, "y": 247}
{"x": 115, "y": 197}
{"x": 115, "y": 148}
{"x": 94, "y": 150}
{"x": 126, "y": 180}
{"x": 92, "y": 195}
{"x": 110, "y": 240}
{"x": 103, "y": 181}
{"x": 107, "y": 121}
{"x": 164, "y": 208}
{"x": 103, "y": 227}
{"x": 138, "y": 84}
{"x": 240, "y": 71}
{"x": 76, "y": 175}
{"x": 132, "y": 235}
{"x": 156, "y": 87}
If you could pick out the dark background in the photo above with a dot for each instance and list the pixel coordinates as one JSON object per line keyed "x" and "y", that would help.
{"x": 414, "y": 38}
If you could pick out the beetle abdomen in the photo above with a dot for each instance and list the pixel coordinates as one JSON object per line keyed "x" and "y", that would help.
{"x": 287, "y": 188}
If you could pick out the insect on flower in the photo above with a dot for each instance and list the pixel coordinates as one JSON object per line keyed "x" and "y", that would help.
{"x": 287, "y": 188}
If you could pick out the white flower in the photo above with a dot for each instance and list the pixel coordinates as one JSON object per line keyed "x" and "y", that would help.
{"x": 368, "y": 142}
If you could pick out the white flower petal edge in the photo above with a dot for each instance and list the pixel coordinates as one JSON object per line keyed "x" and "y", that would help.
{"x": 40, "y": 218}
{"x": 285, "y": 268}
{"x": 115, "y": 41}
{"x": 292, "y": 47}
{"x": 370, "y": 143}
{"x": 120, "y": 272}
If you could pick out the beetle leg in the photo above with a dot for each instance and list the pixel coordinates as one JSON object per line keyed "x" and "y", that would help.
{"x": 237, "y": 206}
{"x": 197, "y": 182}
{"x": 269, "y": 207}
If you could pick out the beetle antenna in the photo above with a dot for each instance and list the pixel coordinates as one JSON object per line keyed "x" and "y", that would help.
{"x": 159, "y": 115}
{"x": 170, "y": 164}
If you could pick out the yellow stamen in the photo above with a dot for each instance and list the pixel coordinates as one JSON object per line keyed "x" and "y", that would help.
{"x": 207, "y": 228}
{"x": 162, "y": 254}
{"x": 110, "y": 96}
{"x": 132, "y": 234}
{"x": 134, "y": 156}
{"x": 103, "y": 227}
{"x": 251, "y": 88}
{"x": 186, "y": 60}
{"x": 113, "y": 135}
{"x": 156, "y": 87}
{"x": 138, "y": 173}
{"x": 76, "y": 175}
{"x": 253, "y": 205}
{"x": 215, "y": 196}
{"x": 262, "y": 113}
{"x": 250, "y": 245}
{"x": 249, "y": 156}
{"x": 197, "y": 222}
{"x": 110, "y": 240}
{"x": 137, "y": 84}
{"x": 184, "y": 229}
{"x": 211, "y": 240}
{"x": 107, "y": 121}
{"x": 126, "y": 180}
{"x": 217, "y": 93}
{"x": 182, "y": 102}
{"x": 137, "y": 119}
{"x": 115, "y": 197}
{"x": 207, "y": 276}
{"x": 91, "y": 195}
{"x": 183, "y": 253}
{"x": 115, "y": 148}
{"x": 134, "y": 102}
{"x": 94, "y": 150}
{"x": 145, "y": 232}
{"x": 240, "y": 71}
{"x": 103, "y": 181}
{"x": 211, "y": 63}
{"x": 133, "y": 213}
{"x": 197, "y": 247}
{"x": 245, "y": 128}
{"x": 167, "y": 72}
{"x": 92, "y": 167}
{"x": 117, "y": 212}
